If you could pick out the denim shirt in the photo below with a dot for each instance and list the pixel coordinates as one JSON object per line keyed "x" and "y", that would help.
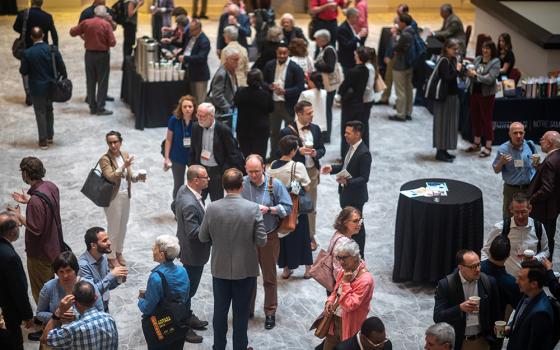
{"x": 99, "y": 273}
{"x": 516, "y": 175}
{"x": 51, "y": 295}
{"x": 177, "y": 280}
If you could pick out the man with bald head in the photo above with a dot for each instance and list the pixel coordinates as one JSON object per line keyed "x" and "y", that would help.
{"x": 274, "y": 204}
{"x": 545, "y": 187}
{"x": 514, "y": 161}
{"x": 233, "y": 17}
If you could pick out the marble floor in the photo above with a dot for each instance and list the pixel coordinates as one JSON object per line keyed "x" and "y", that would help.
{"x": 401, "y": 152}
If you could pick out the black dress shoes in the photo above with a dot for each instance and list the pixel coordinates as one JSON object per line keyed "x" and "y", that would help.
{"x": 192, "y": 337}
{"x": 442, "y": 157}
{"x": 269, "y": 322}
{"x": 195, "y": 323}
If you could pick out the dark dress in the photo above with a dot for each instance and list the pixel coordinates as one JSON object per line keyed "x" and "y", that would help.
{"x": 509, "y": 57}
{"x": 295, "y": 248}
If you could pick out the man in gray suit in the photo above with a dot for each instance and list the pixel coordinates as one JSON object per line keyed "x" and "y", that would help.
{"x": 224, "y": 83}
{"x": 235, "y": 227}
{"x": 452, "y": 27}
{"x": 189, "y": 212}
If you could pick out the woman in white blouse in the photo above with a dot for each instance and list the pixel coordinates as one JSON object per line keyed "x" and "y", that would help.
{"x": 317, "y": 96}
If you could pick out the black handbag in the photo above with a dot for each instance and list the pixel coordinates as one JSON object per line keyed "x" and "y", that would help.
{"x": 436, "y": 88}
{"x": 62, "y": 88}
{"x": 168, "y": 323}
{"x": 18, "y": 47}
{"x": 305, "y": 203}
{"x": 97, "y": 188}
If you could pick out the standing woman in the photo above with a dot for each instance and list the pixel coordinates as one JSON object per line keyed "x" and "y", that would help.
{"x": 369, "y": 93}
{"x": 178, "y": 141}
{"x": 317, "y": 97}
{"x": 161, "y": 16}
{"x": 298, "y": 54}
{"x": 295, "y": 248}
{"x": 254, "y": 103}
{"x": 507, "y": 58}
{"x": 446, "y": 111}
{"x": 130, "y": 25}
{"x": 325, "y": 63}
{"x": 116, "y": 168}
{"x": 482, "y": 87}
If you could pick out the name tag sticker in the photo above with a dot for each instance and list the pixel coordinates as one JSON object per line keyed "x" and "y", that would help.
{"x": 187, "y": 142}
{"x": 518, "y": 163}
{"x": 205, "y": 154}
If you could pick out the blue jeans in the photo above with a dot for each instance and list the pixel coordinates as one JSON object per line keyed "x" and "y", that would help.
{"x": 238, "y": 294}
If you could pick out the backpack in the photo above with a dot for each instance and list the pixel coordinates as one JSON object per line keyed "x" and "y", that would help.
{"x": 453, "y": 287}
{"x": 538, "y": 231}
{"x": 119, "y": 12}
{"x": 417, "y": 50}
{"x": 436, "y": 88}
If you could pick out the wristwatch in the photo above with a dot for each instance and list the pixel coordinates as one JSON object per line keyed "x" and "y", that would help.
{"x": 268, "y": 211}
{"x": 55, "y": 317}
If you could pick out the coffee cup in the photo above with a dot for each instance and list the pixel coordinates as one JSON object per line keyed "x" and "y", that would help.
{"x": 500, "y": 327}
{"x": 475, "y": 300}
{"x": 142, "y": 174}
{"x": 308, "y": 144}
{"x": 536, "y": 159}
{"x": 528, "y": 254}
{"x": 141, "y": 293}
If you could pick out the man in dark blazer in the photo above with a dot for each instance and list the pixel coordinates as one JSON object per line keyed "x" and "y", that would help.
{"x": 224, "y": 84}
{"x": 452, "y": 27}
{"x": 189, "y": 212}
{"x": 352, "y": 189}
{"x": 349, "y": 40}
{"x": 311, "y": 149}
{"x": 233, "y": 17}
{"x": 371, "y": 336}
{"x": 195, "y": 60}
{"x": 473, "y": 322}
{"x": 213, "y": 146}
{"x": 13, "y": 294}
{"x": 285, "y": 79}
{"x": 235, "y": 227}
{"x": 545, "y": 187}
{"x": 37, "y": 64}
{"x": 36, "y": 18}
{"x": 532, "y": 324}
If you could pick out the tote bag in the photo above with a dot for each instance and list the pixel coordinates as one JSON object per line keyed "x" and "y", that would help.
{"x": 97, "y": 188}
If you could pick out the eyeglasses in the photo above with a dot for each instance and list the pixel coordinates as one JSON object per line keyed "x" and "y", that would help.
{"x": 342, "y": 257}
{"x": 473, "y": 266}
{"x": 203, "y": 177}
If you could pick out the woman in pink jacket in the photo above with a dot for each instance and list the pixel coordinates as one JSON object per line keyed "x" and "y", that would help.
{"x": 349, "y": 301}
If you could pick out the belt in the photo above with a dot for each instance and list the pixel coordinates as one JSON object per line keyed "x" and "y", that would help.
{"x": 473, "y": 337}
{"x": 517, "y": 186}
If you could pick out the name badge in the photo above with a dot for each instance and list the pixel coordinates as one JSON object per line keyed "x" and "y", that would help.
{"x": 472, "y": 320}
{"x": 518, "y": 163}
{"x": 205, "y": 154}
{"x": 186, "y": 142}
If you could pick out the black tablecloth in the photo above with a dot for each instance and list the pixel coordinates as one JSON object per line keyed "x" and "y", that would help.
{"x": 429, "y": 234}
{"x": 151, "y": 102}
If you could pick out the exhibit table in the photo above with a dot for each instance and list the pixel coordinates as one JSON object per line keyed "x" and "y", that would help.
{"x": 151, "y": 102}
{"x": 428, "y": 234}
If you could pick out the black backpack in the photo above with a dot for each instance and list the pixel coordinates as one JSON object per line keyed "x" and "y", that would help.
{"x": 538, "y": 231}
{"x": 119, "y": 12}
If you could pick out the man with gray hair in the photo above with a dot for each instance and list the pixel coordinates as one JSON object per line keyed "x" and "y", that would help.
{"x": 233, "y": 16}
{"x": 224, "y": 84}
{"x": 231, "y": 34}
{"x": 349, "y": 39}
{"x": 440, "y": 336}
{"x": 98, "y": 37}
{"x": 452, "y": 27}
{"x": 189, "y": 212}
{"x": 545, "y": 187}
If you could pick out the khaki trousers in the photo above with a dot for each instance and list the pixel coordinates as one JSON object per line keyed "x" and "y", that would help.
{"x": 403, "y": 87}
{"x": 40, "y": 272}
{"x": 331, "y": 341}
{"x": 388, "y": 81}
{"x": 477, "y": 344}
{"x": 198, "y": 90}
{"x": 117, "y": 219}
{"x": 315, "y": 180}
{"x": 268, "y": 257}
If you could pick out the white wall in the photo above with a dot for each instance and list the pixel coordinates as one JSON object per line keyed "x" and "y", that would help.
{"x": 530, "y": 58}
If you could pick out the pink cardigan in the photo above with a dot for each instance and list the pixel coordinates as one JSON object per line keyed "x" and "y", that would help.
{"x": 354, "y": 300}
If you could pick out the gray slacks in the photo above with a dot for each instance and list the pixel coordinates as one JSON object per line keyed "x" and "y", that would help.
{"x": 43, "y": 108}
{"x": 97, "y": 77}
{"x": 279, "y": 114}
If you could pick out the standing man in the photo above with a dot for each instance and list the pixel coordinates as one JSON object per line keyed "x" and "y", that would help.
{"x": 352, "y": 190}
{"x": 36, "y": 17}
{"x": 440, "y": 336}
{"x": 311, "y": 149}
{"x": 88, "y": 13}
{"x": 349, "y": 38}
{"x": 231, "y": 34}
{"x": 235, "y": 227}
{"x": 37, "y": 65}
{"x": 202, "y": 13}
{"x": 514, "y": 160}
{"x": 189, "y": 212}
{"x": 195, "y": 60}
{"x": 130, "y": 25}
{"x": 94, "y": 265}
{"x": 402, "y": 69}
{"x": 233, "y": 17}
{"x": 452, "y": 27}
{"x": 213, "y": 146}
{"x": 98, "y": 37}
{"x": 13, "y": 294}
{"x": 274, "y": 204}
{"x": 324, "y": 14}
{"x": 224, "y": 84}
{"x": 285, "y": 79}
{"x": 42, "y": 223}
{"x": 473, "y": 321}
{"x": 545, "y": 187}
{"x": 532, "y": 324}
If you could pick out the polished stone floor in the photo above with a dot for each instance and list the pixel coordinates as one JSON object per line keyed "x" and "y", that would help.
{"x": 401, "y": 152}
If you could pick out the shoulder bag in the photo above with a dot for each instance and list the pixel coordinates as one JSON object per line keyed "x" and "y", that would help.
{"x": 18, "y": 47}
{"x": 97, "y": 188}
{"x": 323, "y": 323}
{"x": 436, "y": 88}
{"x": 168, "y": 323}
{"x": 322, "y": 268}
{"x": 62, "y": 87}
{"x": 63, "y": 246}
{"x": 331, "y": 81}
{"x": 289, "y": 222}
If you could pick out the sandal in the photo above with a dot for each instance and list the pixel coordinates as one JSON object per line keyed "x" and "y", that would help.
{"x": 287, "y": 275}
{"x": 485, "y": 152}
{"x": 475, "y": 147}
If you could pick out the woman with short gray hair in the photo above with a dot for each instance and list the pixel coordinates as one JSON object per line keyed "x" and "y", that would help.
{"x": 440, "y": 334}
{"x": 166, "y": 249}
{"x": 267, "y": 52}
{"x": 350, "y": 299}
{"x": 325, "y": 63}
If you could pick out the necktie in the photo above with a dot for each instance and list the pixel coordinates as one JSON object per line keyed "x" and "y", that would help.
{"x": 307, "y": 127}
{"x": 348, "y": 157}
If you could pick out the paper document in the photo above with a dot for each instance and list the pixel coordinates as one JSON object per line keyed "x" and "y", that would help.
{"x": 343, "y": 174}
